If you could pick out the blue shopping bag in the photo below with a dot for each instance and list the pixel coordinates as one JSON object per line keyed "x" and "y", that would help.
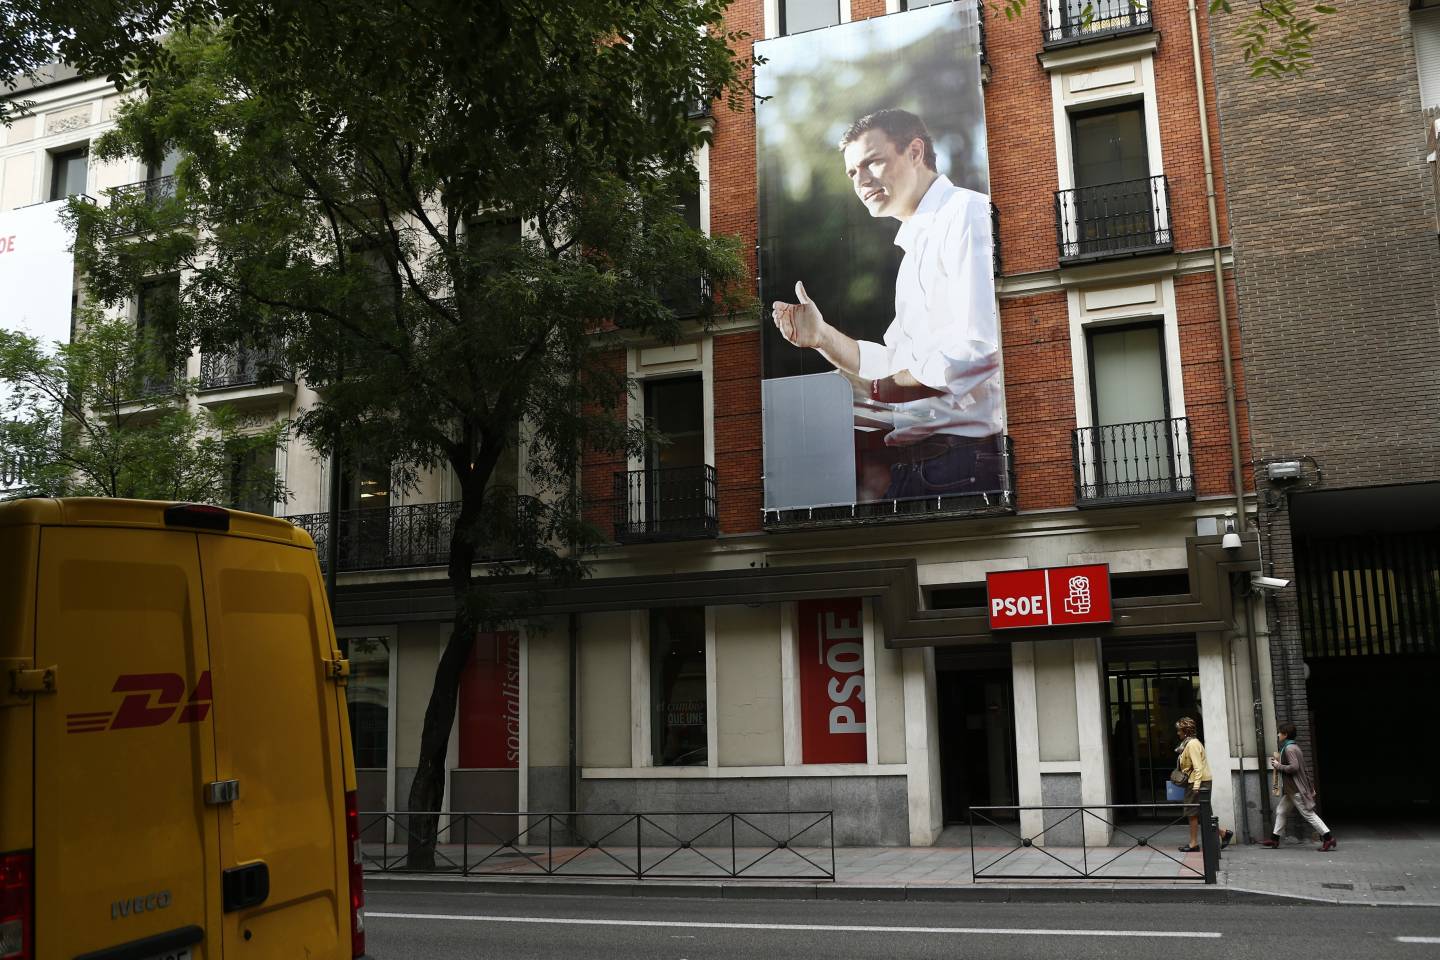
{"x": 1174, "y": 792}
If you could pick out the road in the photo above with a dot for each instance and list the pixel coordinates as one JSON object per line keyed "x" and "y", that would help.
{"x": 442, "y": 926}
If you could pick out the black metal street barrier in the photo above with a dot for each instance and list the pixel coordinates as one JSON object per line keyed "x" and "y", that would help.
{"x": 1094, "y": 863}
{"x": 762, "y": 845}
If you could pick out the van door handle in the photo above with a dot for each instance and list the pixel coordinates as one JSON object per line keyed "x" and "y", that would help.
{"x": 220, "y": 792}
{"x": 247, "y": 886}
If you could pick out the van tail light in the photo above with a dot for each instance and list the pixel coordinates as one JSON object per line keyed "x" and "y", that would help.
{"x": 357, "y": 875}
{"x": 17, "y": 902}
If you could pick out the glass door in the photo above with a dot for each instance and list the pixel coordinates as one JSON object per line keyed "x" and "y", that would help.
{"x": 1148, "y": 691}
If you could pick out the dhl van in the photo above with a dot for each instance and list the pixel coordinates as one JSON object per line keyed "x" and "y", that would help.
{"x": 175, "y": 772}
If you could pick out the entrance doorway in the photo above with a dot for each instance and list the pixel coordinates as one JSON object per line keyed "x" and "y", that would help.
{"x": 977, "y": 740}
{"x": 1149, "y": 686}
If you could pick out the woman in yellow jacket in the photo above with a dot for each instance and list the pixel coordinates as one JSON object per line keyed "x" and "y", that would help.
{"x": 1196, "y": 767}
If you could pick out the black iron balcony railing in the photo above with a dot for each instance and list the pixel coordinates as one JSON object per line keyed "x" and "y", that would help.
{"x": 1133, "y": 462}
{"x": 149, "y": 191}
{"x": 1065, "y": 22}
{"x": 380, "y": 538}
{"x": 1123, "y": 219}
{"x": 244, "y": 368}
{"x": 671, "y": 503}
{"x": 687, "y": 296}
{"x": 145, "y": 193}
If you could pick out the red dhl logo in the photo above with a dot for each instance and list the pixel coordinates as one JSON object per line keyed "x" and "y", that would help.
{"x": 153, "y": 698}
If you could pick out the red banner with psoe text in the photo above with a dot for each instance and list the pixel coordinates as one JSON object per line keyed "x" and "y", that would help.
{"x": 489, "y": 705}
{"x": 831, "y": 649}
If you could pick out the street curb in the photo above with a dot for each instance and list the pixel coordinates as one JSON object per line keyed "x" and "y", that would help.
{"x": 968, "y": 893}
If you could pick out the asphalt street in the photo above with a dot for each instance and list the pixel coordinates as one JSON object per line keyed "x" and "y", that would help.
{"x": 430, "y": 925}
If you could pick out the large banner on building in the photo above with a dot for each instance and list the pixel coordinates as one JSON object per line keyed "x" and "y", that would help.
{"x": 881, "y": 345}
{"x": 489, "y": 705}
{"x": 831, "y": 649}
{"x": 37, "y": 269}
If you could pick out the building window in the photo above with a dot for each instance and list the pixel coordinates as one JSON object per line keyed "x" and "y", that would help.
{"x": 68, "y": 171}
{"x": 677, "y": 687}
{"x": 1133, "y": 443}
{"x": 797, "y": 16}
{"x": 165, "y": 168}
{"x": 364, "y": 502}
{"x": 367, "y": 694}
{"x": 155, "y": 322}
{"x": 252, "y": 481}
{"x": 1109, "y": 145}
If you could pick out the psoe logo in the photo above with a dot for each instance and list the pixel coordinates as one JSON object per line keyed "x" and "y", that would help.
{"x": 152, "y": 699}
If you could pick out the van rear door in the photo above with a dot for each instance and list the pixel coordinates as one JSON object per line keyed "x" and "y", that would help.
{"x": 124, "y": 747}
{"x": 278, "y": 735}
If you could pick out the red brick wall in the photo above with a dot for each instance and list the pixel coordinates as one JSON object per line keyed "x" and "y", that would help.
{"x": 598, "y": 467}
{"x": 1035, "y": 331}
{"x": 738, "y": 460}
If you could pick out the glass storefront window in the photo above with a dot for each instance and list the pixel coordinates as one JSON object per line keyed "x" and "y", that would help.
{"x": 368, "y": 696}
{"x": 677, "y": 687}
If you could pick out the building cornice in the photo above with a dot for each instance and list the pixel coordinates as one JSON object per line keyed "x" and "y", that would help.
{"x": 1095, "y": 52}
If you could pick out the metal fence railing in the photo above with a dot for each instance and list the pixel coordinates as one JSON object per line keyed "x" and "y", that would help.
{"x": 1092, "y": 842}
{"x": 669, "y": 503}
{"x": 1123, "y": 219}
{"x": 1071, "y": 21}
{"x": 1131, "y": 462}
{"x": 244, "y": 368}
{"x": 767, "y": 845}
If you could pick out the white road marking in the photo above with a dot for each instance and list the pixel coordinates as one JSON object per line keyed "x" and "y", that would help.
{"x": 1417, "y": 939}
{"x": 810, "y": 927}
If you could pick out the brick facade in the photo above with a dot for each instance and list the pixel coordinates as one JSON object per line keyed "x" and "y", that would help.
{"x": 1035, "y": 328}
{"x": 1334, "y": 220}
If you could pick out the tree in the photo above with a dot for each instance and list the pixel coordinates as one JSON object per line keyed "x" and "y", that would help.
{"x": 102, "y": 417}
{"x": 344, "y": 163}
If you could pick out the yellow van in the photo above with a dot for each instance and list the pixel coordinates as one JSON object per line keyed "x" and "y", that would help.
{"x": 175, "y": 772}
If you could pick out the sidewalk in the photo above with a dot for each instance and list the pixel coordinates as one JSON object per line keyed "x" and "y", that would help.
{"x": 1389, "y": 865}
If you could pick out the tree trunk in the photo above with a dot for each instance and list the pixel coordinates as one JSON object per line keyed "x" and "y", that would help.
{"x": 428, "y": 789}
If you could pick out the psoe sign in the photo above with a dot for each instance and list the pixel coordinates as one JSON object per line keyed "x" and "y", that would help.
{"x": 1048, "y": 597}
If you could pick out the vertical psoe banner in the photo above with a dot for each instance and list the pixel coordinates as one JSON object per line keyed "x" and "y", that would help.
{"x": 881, "y": 365}
{"x": 490, "y": 703}
{"x": 831, "y": 649}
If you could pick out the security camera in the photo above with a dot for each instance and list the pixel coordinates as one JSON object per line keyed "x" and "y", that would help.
{"x": 1269, "y": 583}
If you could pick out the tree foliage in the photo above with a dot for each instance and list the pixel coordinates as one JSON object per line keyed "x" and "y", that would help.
{"x": 102, "y": 416}
{"x": 345, "y": 168}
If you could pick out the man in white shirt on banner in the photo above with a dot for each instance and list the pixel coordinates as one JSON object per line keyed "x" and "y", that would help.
{"x": 939, "y": 365}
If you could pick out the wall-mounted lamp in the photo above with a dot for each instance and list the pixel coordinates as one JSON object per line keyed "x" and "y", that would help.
{"x": 1231, "y": 540}
{"x": 1284, "y": 470}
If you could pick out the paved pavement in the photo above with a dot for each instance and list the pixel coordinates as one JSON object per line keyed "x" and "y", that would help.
{"x": 439, "y": 926}
{"x": 1390, "y": 863}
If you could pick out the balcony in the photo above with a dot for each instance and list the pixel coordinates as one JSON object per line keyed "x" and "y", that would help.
{"x": 143, "y": 195}
{"x": 244, "y": 368}
{"x": 671, "y": 503}
{"x": 1133, "y": 463}
{"x": 687, "y": 296}
{"x": 1068, "y": 22}
{"x": 995, "y": 238}
{"x": 383, "y": 538}
{"x": 1126, "y": 219}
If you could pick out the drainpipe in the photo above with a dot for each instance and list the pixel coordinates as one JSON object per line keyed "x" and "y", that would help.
{"x": 1237, "y": 474}
{"x": 574, "y": 702}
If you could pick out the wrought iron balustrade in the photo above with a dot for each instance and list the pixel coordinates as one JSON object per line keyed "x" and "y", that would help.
{"x": 1065, "y": 22}
{"x": 995, "y": 237}
{"x": 380, "y": 538}
{"x": 1132, "y": 462}
{"x": 670, "y": 503}
{"x": 760, "y": 845}
{"x": 244, "y": 368}
{"x": 145, "y": 194}
{"x": 687, "y": 296}
{"x": 1122, "y": 219}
